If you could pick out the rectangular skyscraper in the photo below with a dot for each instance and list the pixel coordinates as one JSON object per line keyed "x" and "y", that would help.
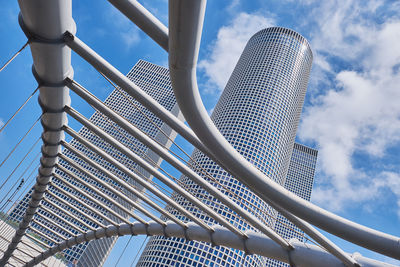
{"x": 155, "y": 81}
{"x": 299, "y": 181}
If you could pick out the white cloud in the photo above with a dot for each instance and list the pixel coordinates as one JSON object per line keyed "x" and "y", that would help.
{"x": 357, "y": 61}
{"x": 128, "y": 32}
{"x": 1, "y": 122}
{"x": 393, "y": 181}
{"x": 360, "y": 111}
{"x": 227, "y": 48}
{"x": 130, "y": 37}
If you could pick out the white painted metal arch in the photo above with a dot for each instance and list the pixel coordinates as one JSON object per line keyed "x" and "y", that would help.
{"x": 303, "y": 255}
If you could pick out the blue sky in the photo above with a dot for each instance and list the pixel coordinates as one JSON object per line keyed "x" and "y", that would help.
{"x": 351, "y": 114}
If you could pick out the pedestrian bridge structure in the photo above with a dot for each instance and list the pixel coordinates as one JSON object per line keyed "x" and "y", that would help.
{"x": 50, "y": 30}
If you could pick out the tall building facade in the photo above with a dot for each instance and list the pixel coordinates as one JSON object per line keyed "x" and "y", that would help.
{"x": 299, "y": 180}
{"x": 258, "y": 113}
{"x": 155, "y": 81}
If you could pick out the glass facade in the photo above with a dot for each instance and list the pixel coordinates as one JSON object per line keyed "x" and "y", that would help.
{"x": 258, "y": 113}
{"x": 299, "y": 181}
{"x": 155, "y": 81}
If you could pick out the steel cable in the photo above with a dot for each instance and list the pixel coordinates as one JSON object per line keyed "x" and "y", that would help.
{"x": 20, "y": 179}
{"x": 202, "y": 171}
{"x": 19, "y": 142}
{"x": 14, "y": 56}
{"x": 18, "y": 110}
{"x": 123, "y": 251}
{"x": 137, "y": 253}
{"x": 19, "y": 164}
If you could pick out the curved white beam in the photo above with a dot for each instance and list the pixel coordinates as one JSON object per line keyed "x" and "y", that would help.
{"x": 71, "y": 208}
{"x": 44, "y": 22}
{"x": 101, "y": 194}
{"x": 145, "y": 165}
{"x": 144, "y": 20}
{"x": 108, "y": 187}
{"x": 163, "y": 153}
{"x": 120, "y": 182}
{"x": 79, "y": 210}
{"x": 133, "y": 90}
{"x": 83, "y": 195}
{"x": 136, "y": 178}
{"x": 185, "y": 22}
{"x": 303, "y": 255}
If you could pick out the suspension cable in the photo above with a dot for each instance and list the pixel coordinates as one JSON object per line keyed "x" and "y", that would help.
{"x": 137, "y": 253}
{"x": 123, "y": 251}
{"x": 23, "y": 192}
{"x": 150, "y": 160}
{"x": 18, "y": 110}
{"x": 168, "y": 149}
{"x": 202, "y": 169}
{"x": 14, "y": 56}
{"x": 21, "y": 180}
{"x": 19, "y": 164}
{"x": 19, "y": 142}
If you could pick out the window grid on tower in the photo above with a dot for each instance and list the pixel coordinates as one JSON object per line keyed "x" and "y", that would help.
{"x": 258, "y": 114}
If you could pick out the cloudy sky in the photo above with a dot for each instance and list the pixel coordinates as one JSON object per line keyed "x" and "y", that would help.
{"x": 352, "y": 109}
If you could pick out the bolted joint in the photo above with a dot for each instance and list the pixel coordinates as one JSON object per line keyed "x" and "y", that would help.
{"x": 245, "y": 248}
{"x": 68, "y": 37}
{"x": 54, "y": 122}
{"x": 35, "y": 38}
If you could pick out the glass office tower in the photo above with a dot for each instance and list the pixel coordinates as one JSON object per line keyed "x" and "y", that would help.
{"x": 155, "y": 81}
{"x": 299, "y": 181}
{"x": 258, "y": 113}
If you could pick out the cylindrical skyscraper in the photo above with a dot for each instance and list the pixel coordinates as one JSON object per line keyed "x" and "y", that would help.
{"x": 258, "y": 113}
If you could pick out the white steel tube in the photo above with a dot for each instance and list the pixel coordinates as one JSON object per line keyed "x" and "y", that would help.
{"x": 35, "y": 240}
{"x": 80, "y": 211}
{"x": 25, "y": 252}
{"x": 30, "y": 246}
{"x": 161, "y": 151}
{"x": 186, "y": 21}
{"x": 135, "y": 177}
{"x": 144, "y": 20}
{"x": 151, "y": 170}
{"x": 122, "y": 183}
{"x": 72, "y": 225}
{"x": 44, "y": 22}
{"x": 319, "y": 238}
{"x": 50, "y": 220}
{"x": 133, "y": 90}
{"x": 84, "y": 204}
{"x": 303, "y": 255}
{"x": 46, "y": 228}
{"x": 100, "y": 193}
{"x": 113, "y": 190}
{"x": 69, "y": 213}
{"x": 43, "y": 235}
